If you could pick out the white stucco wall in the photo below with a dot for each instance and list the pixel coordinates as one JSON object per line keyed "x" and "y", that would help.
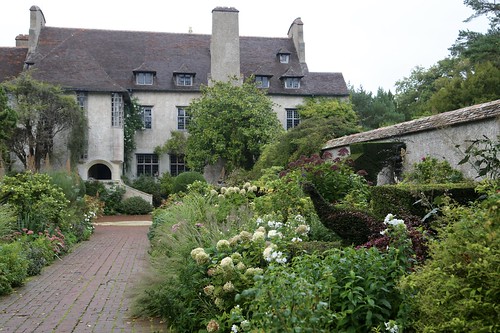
{"x": 105, "y": 143}
{"x": 440, "y": 143}
{"x": 285, "y": 102}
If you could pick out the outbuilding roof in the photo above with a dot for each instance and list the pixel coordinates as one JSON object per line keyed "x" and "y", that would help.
{"x": 468, "y": 114}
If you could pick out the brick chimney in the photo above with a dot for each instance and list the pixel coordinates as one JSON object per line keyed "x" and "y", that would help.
{"x": 296, "y": 32}
{"x": 37, "y": 22}
{"x": 225, "y": 44}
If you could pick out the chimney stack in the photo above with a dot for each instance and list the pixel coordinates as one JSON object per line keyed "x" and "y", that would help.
{"x": 225, "y": 44}
{"x": 296, "y": 32}
{"x": 37, "y": 22}
{"x": 22, "y": 41}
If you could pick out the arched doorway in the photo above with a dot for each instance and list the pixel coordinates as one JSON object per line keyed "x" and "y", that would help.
{"x": 99, "y": 171}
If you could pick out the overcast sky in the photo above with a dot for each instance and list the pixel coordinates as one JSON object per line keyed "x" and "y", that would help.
{"x": 373, "y": 43}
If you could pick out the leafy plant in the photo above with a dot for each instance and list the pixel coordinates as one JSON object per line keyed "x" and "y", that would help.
{"x": 458, "y": 289}
{"x": 230, "y": 123}
{"x": 151, "y": 185}
{"x": 38, "y": 203}
{"x": 432, "y": 171}
{"x": 13, "y": 266}
{"x": 484, "y": 153}
{"x": 182, "y": 181}
{"x": 345, "y": 290}
{"x": 135, "y": 206}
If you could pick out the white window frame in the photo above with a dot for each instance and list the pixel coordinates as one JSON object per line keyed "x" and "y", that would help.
{"x": 262, "y": 81}
{"x": 185, "y": 80}
{"x": 292, "y": 118}
{"x": 284, "y": 58}
{"x": 116, "y": 110}
{"x": 147, "y": 116}
{"x": 182, "y": 118}
{"x": 144, "y": 78}
{"x": 292, "y": 82}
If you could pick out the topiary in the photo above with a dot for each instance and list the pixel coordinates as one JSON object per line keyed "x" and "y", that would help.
{"x": 135, "y": 206}
{"x": 184, "y": 179}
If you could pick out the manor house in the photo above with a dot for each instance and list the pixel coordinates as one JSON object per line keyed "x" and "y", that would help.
{"x": 106, "y": 69}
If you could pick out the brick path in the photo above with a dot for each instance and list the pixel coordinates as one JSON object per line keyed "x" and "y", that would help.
{"x": 86, "y": 291}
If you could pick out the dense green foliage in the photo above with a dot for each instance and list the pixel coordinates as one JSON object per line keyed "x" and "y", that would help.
{"x": 135, "y": 206}
{"x": 13, "y": 267}
{"x": 430, "y": 170}
{"x": 322, "y": 119}
{"x": 7, "y": 120}
{"x": 39, "y": 204}
{"x": 132, "y": 123}
{"x": 151, "y": 185}
{"x": 230, "y": 122}
{"x": 110, "y": 196}
{"x": 43, "y": 112}
{"x": 181, "y": 182}
{"x": 458, "y": 289}
{"x": 375, "y": 111}
{"x": 41, "y": 217}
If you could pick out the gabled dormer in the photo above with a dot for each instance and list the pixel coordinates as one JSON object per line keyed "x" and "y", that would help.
{"x": 184, "y": 77}
{"x": 291, "y": 79}
{"x": 144, "y": 75}
{"x": 283, "y": 56}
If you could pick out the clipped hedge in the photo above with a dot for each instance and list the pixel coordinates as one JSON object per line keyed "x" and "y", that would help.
{"x": 135, "y": 206}
{"x": 182, "y": 181}
{"x": 408, "y": 199}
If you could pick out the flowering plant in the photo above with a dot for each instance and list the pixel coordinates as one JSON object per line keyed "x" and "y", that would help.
{"x": 233, "y": 264}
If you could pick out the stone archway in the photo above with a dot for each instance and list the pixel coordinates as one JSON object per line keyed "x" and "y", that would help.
{"x": 99, "y": 171}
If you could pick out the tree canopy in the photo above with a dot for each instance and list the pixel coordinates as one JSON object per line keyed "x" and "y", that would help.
{"x": 230, "y": 122}
{"x": 7, "y": 119}
{"x": 43, "y": 112}
{"x": 322, "y": 119}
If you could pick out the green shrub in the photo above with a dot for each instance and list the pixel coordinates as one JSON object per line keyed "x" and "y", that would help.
{"x": 13, "y": 267}
{"x": 432, "y": 171}
{"x": 135, "y": 206}
{"x": 71, "y": 184}
{"x": 111, "y": 196}
{"x": 38, "y": 204}
{"x": 458, "y": 289}
{"x": 39, "y": 253}
{"x": 341, "y": 291}
{"x": 184, "y": 179}
{"x": 417, "y": 199}
{"x": 7, "y": 220}
{"x": 151, "y": 185}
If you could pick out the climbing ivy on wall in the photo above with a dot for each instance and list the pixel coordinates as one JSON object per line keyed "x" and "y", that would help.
{"x": 133, "y": 122}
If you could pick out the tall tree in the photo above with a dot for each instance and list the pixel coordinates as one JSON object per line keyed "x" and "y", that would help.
{"x": 322, "y": 119}
{"x": 375, "y": 111}
{"x": 230, "y": 122}
{"x": 7, "y": 118}
{"x": 44, "y": 111}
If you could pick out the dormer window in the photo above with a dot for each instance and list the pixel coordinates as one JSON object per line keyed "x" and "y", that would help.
{"x": 262, "y": 81}
{"x": 292, "y": 82}
{"x": 184, "y": 79}
{"x": 284, "y": 58}
{"x": 144, "y": 78}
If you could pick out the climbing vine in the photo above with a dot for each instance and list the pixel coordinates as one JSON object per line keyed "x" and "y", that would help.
{"x": 133, "y": 122}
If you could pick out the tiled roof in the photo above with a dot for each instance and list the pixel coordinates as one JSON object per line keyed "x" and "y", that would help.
{"x": 465, "y": 115}
{"x": 11, "y": 62}
{"x": 104, "y": 60}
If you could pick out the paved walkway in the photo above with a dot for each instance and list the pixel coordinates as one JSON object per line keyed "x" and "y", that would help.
{"x": 86, "y": 291}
